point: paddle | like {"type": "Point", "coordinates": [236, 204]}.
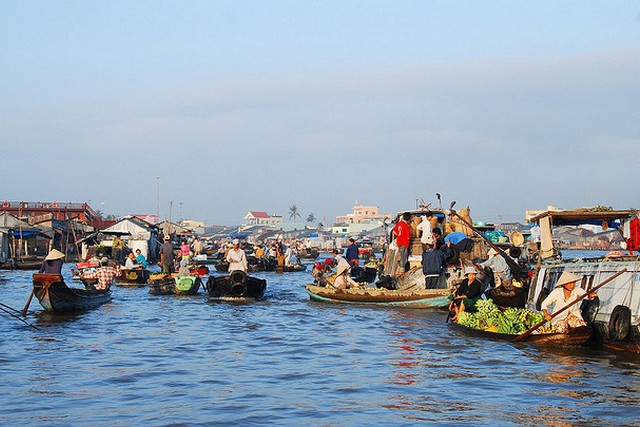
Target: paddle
{"type": "Point", "coordinates": [19, 318]}
{"type": "Point", "coordinates": [533, 328]}
{"type": "Point", "coordinates": [26, 307]}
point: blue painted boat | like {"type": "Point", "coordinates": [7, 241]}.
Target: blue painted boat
{"type": "Point", "coordinates": [430, 298]}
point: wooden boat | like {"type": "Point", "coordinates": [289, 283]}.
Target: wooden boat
{"type": "Point", "coordinates": [575, 337]}
{"type": "Point", "coordinates": [23, 264]}
{"type": "Point", "coordinates": [168, 284]}
{"type": "Point", "coordinates": [236, 285]}
{"type": "Point", "coordinates": [55, 296]}
{"type": "Point", "coordinates": [132, 277]}
{"type": "Point", "coordinates": [291, 268]}
{"type": "Point", "coordinates": [431, 298]}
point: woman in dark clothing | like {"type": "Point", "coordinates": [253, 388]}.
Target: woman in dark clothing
{"type": "Point", "coordinates": [465, 297]}
{"type": "Point", "coordinates": [53, 262]}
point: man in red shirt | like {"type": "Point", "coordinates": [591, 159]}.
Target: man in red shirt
{"type": "Point", "coordinates": [402, 231]}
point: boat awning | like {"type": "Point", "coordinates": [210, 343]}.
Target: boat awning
{"type": "Point", "coordinates": [583, 216]}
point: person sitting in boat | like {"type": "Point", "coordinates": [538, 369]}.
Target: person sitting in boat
{"type": "Point", "coordinates": [351, 254]}
{"type": "Point", "coordinates": [464, 298]}
{"type": "Point", "coordinates": [259, 253]}
{"type": "Point", "coordinates": [343, 280]}
{"type": "Point", "coordinates": [52, 263]}
{"type": "Point", "coordinates": [140, 259]}
{"type": "Point", "coordinates": [318, 272]}
{"type": "Point", "coordinates": [432, 265]}
{"type": "Point", "coordinates": [564, 293]}
{"type": "Point", "coordinates": [339, 259]}
{"type": "Point", "coordinates": [105, 274]}
{"type": "Point", "coordinates": [500, 268]}
{"type": "Point", "coordinates": [236, 258]}
{"type": "Point", "coordinates": [131, 263]}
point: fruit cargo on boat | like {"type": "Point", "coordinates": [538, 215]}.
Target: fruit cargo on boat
{"type": "Point", "coordinates": [615, 313]}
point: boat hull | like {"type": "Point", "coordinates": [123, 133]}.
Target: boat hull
{"type": "Point", "coordinates": [436, 298]}
{"type": "Point", "coordinates": [132, 277]}
{"type": "Point", "coordinates": [574, 338]}
{"type": "Point", "coordinates": [54, 295]}
{"type": "Point", "coordinates": [169, 285]}
{"type": "Point", "coordinates": [236, 286]}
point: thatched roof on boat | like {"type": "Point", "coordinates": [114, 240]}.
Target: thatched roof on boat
{"type": "Point", "coordinates": [581, 216]}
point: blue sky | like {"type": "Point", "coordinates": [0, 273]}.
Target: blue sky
{"type": "Point", "coordinates": [257, 105]}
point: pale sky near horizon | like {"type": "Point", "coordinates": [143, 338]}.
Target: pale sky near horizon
{"type": "Point", "coordinates": [502, 106]}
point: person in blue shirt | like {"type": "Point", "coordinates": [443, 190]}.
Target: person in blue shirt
{"type": "Point", "coordinates": [140, 259]}
{"type": "Point", "coordinates": [351, 253]}
{"type": "Point", "coordinates": [460, 241]}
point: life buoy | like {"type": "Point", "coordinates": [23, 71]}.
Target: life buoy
{"type": "Point", "coordinates": [620, 323]}
{"type": "Point", "coordinates": [54, 205]}
{"type": "Point", "coordinates": [6, 204]}
{"type": "Point", "coordinates": [589, 309]}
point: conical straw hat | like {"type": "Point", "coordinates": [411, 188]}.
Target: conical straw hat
{"type": "Point", "coordinates": [54, 254]}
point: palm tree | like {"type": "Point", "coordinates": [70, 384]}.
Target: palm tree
{"type": "Point", "coordinates": [311, 218]}
{"type": "Point", "coordinates": [293, 212]}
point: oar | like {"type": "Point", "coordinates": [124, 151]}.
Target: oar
{"type": "Point", "coordinates": [19, 318]}
{"type": "Point", "coordinates": [566, 307]}
{"type": "Point", "coordinates": [26, 307]}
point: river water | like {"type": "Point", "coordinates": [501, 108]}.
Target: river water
{"type": "Point", "coordinates": [187, 361]}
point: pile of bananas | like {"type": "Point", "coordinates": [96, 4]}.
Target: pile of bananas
{"type": "Point", "coordinates": [512, 321]}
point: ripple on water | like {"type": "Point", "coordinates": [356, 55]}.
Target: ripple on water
{"type": "Point", "coordinates": [162, 360]}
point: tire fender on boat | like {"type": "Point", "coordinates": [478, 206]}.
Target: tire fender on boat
{"type": "Point", "coordinates": [620, 323]}
{"type": "Point", "coordinates": [6, 204]}
{"type": "Point", "coordinates": [590, 309]}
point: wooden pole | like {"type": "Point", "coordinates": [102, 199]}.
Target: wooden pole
{"type": "Point", "coordinates": [519, 272]}
{"type": "Point", "coordinates": [566, 307]}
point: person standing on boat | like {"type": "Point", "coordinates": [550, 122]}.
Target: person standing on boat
{"type": "Point", "coordinates": [185, 254]}
{"type": "Point", "coordinates": [432, 266]}
{"type": "Point", "coordinates": [288, 253]}
{"type": "Point", "coordinates": [118, 249]}
{"type": "Point", "coordinates": [351, 254]}
{"type": "Point", "coordinates": [52, 263]}
{"type": "Point", "coordinates": [425, 226]}
{"type": "Point", "coordinates": [464, 298]}
{"type": "Point", "coordinates": [166, 255]}
{"type": "Point", "coordinates": [236, 258]}
{"type": "Point", "coordinates": [140, 259]}
{"type": "Point", "coordinates": [564, 293]}
{"type": "Point", "coordinates": [402, 232]}
{"type": "Point", "coordinates": [105, 274]}
{"type": "Point", "coordinates": [197, 246]}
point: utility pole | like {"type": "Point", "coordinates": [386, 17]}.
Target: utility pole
{"type": "Point", "coordinates": [158, 198]}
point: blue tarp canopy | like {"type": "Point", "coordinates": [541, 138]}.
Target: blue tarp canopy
{"type": "Point", "coordinates": [239, 236]}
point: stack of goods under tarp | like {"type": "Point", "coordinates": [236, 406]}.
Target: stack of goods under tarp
{"type": "Point", "coordinates": [512, 321]}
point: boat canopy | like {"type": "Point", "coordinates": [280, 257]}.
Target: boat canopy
{"type": "Point", "coordinates": [585, 216]}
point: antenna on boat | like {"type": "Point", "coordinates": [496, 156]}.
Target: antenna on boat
{"type": "Point", "coordinates": [439, 200]}
{"type": "Point", "coordinates": [452, 205]}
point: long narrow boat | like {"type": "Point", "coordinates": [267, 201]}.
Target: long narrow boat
{"type": "Point", "coordinates": [133, 277]}
{"type": "Point", "coordinates": [430, 298]}
{"type": "Point", "coordinates": [575, 337]}
{"type": "Point", "coordinates": [236, 285]}
{"type": "Point", "coordinates": [167, 284]}
{"type": "Point", "coordinates": [55, 296]}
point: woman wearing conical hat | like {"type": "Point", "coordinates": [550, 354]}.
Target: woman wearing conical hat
{"type": "Point", "coordinates": [53, 262]}
{"type": "Point", "coordinates": [343, 280]}
{"type": "Point", "coordinates": [564, 293]}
